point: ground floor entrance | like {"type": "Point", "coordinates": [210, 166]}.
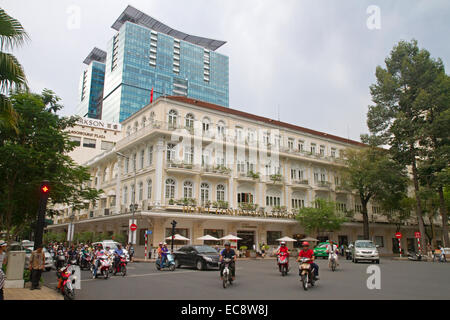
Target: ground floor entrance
{"type": "Point", "coordinates": [248, 239]}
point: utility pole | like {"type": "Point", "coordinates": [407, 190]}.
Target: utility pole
{"type": "Point", "coordinates": [174, 224]}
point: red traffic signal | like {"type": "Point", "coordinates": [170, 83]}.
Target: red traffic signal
{"type": "Point", "coordinates": [45, 188]}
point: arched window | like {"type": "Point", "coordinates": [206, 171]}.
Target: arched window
{"type": "Point", "coordinates": [188, 189]}
{"type": "Point", "coordinates": [170, 189]}
{"type": "Point", "coordinates": [205, 124]}
{"type": "Point", "coordinates": [144, 122]}
{"type": "Point", "coordinates": [149, 189]}
{"type": "Point", "coordinates": [221, 128]}
{"type": "Point", "coordinates": [220, 192]}
{"type": "Point", "coordinates": [190, 121]}
{"type": "Point", "coordinates": [172, 119]}
{"type": "Point", "coordinates": [141, 191]}
{"type": "Point", "coordinates": [204, 193]}
{"type": "Point", "coordinates": [170, 152]}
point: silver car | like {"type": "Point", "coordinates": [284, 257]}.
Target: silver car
{"type": "Point", "coordinates": [365, 250]}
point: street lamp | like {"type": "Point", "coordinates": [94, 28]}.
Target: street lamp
{"type": "Point", "coordinates": [71, 231]}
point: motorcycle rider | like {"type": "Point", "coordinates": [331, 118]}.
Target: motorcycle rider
{"type": "Point", "coordinates": [309, 253]}
{"type": "Point", "coordinates": [164, 252]}
{"type": "Point", "coordinates": [117, 253]}
{"type": "Point", "coordinates": [72, 253]}
{"type": "Point", "coordinates": [99, 253]}
{"type": "Point", "coordinates": [332, 249]}
{"type": "Point", "coordinates": [282, 249]}
{"type": "Point", "coordinates": [230, 254]}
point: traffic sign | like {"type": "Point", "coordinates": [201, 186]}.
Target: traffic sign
{"type": "Point", "coordinates": [417, 235]}
{"type": "Point", "coordinates": [133, 227]}
{"type": "Point", "coordinates": [149, 231]}
{"type": "Point", "coordinates": [398, 235]}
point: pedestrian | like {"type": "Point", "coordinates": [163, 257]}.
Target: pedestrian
{"type": "Point", "coordinates": [263, 250]}
{"type": "Point", "coordinates": [131, 251]}
{"type": "Point", "coordinates": [430, 252]}
{"type": "Point", "coordinates": [442, 257]}
{"type": "Point", "coordinates": [2, 264]}
{"type": "Point", "coordinates": [37, 264]}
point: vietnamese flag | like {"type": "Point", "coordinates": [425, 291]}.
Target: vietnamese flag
{"type": "Point", "coordinates": [151, 96]}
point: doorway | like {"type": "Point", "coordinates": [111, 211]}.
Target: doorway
{"type": "Point", "coordinates": [248, 239]}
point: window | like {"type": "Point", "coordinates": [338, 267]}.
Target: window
{"type": "Point", "coordinates": [190, 121]}
{"type": "Point", "coordinates": [245, 197]}
{"type": "Point", "coordinates": [322, 151]}
{"type": "Point", "coordinates": [126, 164]}
{"type": "Point", "coordinates": [291, 143]}
{"type": "Point", "coordinates": [107, 145]}
{"type": "Point", "coordinates": [141, 191]}
{"type": "Point", "coordinates": [125, 195]}
{"type": "Point", "coordinates": [204, 193]}
{"type": "Point", "coordinates": [379, 241]}
{"type": "Point", "coordinates": [141, 162]}
{"type": "Point", "coordinates": [170, 188]}
{"type": "Point", "coordinates": [189, 155]}
{"type": "Point", "coordinates": [149, 189]}
{"type": "Point", "coordinates": [75, 140]}
{"type": "Point", "coordinates": [205, 125]}
{"type": "Point", "coordinates": [172, 119]}
{"type": "Point", "coordinates": [150, 155]}
{"type": "Point", "coordinates": [238, 133]}
{"type": "Point", "coordinates": [133, 161]}
{"type": "Point", "coordinates": [358, 208]}
{"type": "Point", "coordinates": [220, 192]}
{"type": "Point", "coordinates": [333, 152]}
{"type": "Point", "coordinates": [313, 148]}
{"type": "Point", "coordinates": [272, 237]}
{"type": "Point", "coordinates": [187, 189]}
{"type": "Point", "coordinates": [298, 203]}
{"type": "Point", "coordinates": [89, 143]}
{"type": "Point", "coordinates": [240, 166]}
{"type": "Point", "coordinates": [293, 174]}
{"type": "Point", "coordinates": [273, 201]}
{"type": "Point", "coordinates": [133, 193]}
{"type": "Point", "coordinates": [220, 128]}
{"type": "Point", "coordinates": [170, 152]}
{"type": "Point", "coordinates": [337, 182]}
{"type": "Point", "coordinates": [301, 145]}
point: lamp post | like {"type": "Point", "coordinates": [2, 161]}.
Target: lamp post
{"type": "Point", "coordinates": [71, 230]}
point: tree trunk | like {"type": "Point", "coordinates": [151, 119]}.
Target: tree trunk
{"type": "Point", "coordinates": [418, 200]}
{"type": "Point", "coordinates": [443, 210]}
{"type": "Point", "coordinates": [365, 220]}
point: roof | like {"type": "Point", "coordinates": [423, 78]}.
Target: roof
{"type": "Point", "coordinates": [251, 116]}
{"type": "Point", "coordinates": [95, 55]}
{"type": "Point", "coordinates": [133, 15]}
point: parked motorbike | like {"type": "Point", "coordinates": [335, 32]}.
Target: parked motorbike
{"type": "Point", "coordinates": [306, 274]}
{"type": "Point", "coordinates": [68, 280]}
{"type": "Point", "coordinates": [226, 275]}
{"type": "Point", "coordinates": [169, 263]}
{"type": "Point", "coordinates": [283, 263]}
{"type": "Point", "coordinates": [414, 256]}
{"type": "Point", "coordinates": [121, 266]}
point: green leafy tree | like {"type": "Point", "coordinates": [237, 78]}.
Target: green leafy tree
{"type": "Point", "coordinates": [12, 75]}
{"type": "Point", "coordinates": [374, 176]}
{"type": "Point", "coordinates": [398, 117]}
{"type": "Point", "coordinates": [39, 151]}
{"type": "Point", "coordinates": [321, 217]}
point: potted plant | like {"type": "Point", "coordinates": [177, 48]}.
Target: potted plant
{"type": "Point", "coordinates": [171, 202]}
{"type": "Point", "coordinates": [243, 249]}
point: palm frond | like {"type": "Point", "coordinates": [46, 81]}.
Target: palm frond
{"type": "Point", "coordinates": [8, 116]}
{"type": "Point", "coordinates": [12, 33]}
{"type": "Point", "coordinates": [12, 75]}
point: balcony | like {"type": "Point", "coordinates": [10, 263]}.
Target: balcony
{"type": "Point", "coordinates": [183, 168]}
{"type": "Point", "coordinates": [303, 184]}
{"type": "Point", "coordinates": [323, 185]}
{"type": "Point", "coordinates": [216, 172]}
{"type": "Point", "coordinates": [248, 176]}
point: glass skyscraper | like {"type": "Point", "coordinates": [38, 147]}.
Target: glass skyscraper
{"type": "Point", "coordinates": [146, 54]}
{"type": "Point", "coordinates": [92, 80]}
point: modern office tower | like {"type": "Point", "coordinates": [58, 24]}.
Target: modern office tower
{"type": "Point", "coordinates": [92, 81]}
{"type": "Point", "coordinates": [146, 54]}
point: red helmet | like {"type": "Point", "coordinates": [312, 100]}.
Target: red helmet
{"type": "Point", "coordinates": [305, 243]}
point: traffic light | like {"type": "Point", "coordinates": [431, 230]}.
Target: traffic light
{"type": "Point", "coordinates": [44, 191]}
{"type": "Point", "coordinates": [174, 224]}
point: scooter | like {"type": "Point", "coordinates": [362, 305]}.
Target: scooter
{"type": "Point", "coordinates": [333, 263]}
{"type": "Point", "coordinates": [169, 264]}
{"type": "Point", "coordinates": [121, 266]}
{"type": "Point", "coordinates": [60, 259]}
{"type": "Point", "coordinates": [103, 268]}
{"type": "Point", "coordinates": [283, 263]}
{"type": "Point", "coordinates": [68, 279]}
{"type": "Point", "coordinates": [85, 262]}
{"type": "Point", "coordinates": [306, 275]}
{"type": "Point", "coordinates": [226, 274]}
{"type": "Point", "coordinates": [414, 256]}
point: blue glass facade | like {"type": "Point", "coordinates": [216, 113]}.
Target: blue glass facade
{"type": "Point", "coordinates": [139, 59]}
{"type": "Point", "coordinates": [91, 90]}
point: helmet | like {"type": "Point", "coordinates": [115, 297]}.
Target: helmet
{"type": "Point", "coordinates": [227, 244]}
{"type": "Point", "coordinates": [160, 243]}
{"type": "Point", "coordinates": [305, 244]}
{"type": "Point", "coordinates": [283, 243]}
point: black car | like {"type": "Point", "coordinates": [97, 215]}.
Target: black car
{"type": "Point", "coordinates": [201, 257]}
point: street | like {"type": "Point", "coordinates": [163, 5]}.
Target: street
{"type": "Point", "coordinates": [259, 279]}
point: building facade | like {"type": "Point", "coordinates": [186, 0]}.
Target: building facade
{"type": "Point", "coordinates": [92, 81]}
{"type": "Point", "coordinates": [216, 171]}
{"type": "Point", "coordinates": [146, 54]}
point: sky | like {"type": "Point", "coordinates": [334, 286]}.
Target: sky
{"type": "Point", "coordinates": [309, 63]}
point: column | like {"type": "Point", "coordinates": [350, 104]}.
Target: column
{"type": "Point", "coordinates": [158, 183]}
{"type": "Point", "coordinates": [118, 179]}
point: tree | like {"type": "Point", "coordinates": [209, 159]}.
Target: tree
{"type": "Point", "coordinates": [39, 151]}
{"type": "Point", "coordinates": [398, 117]}
{"type": "Point", "coordinates": [322, 216]}
{"type": "Point", "coordinates": [375, 176]}
{"type": "Point", "coordinates": [12, 75]}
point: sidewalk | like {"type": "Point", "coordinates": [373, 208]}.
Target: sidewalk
{"type": "Point", "coordinates": [26, 294]}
